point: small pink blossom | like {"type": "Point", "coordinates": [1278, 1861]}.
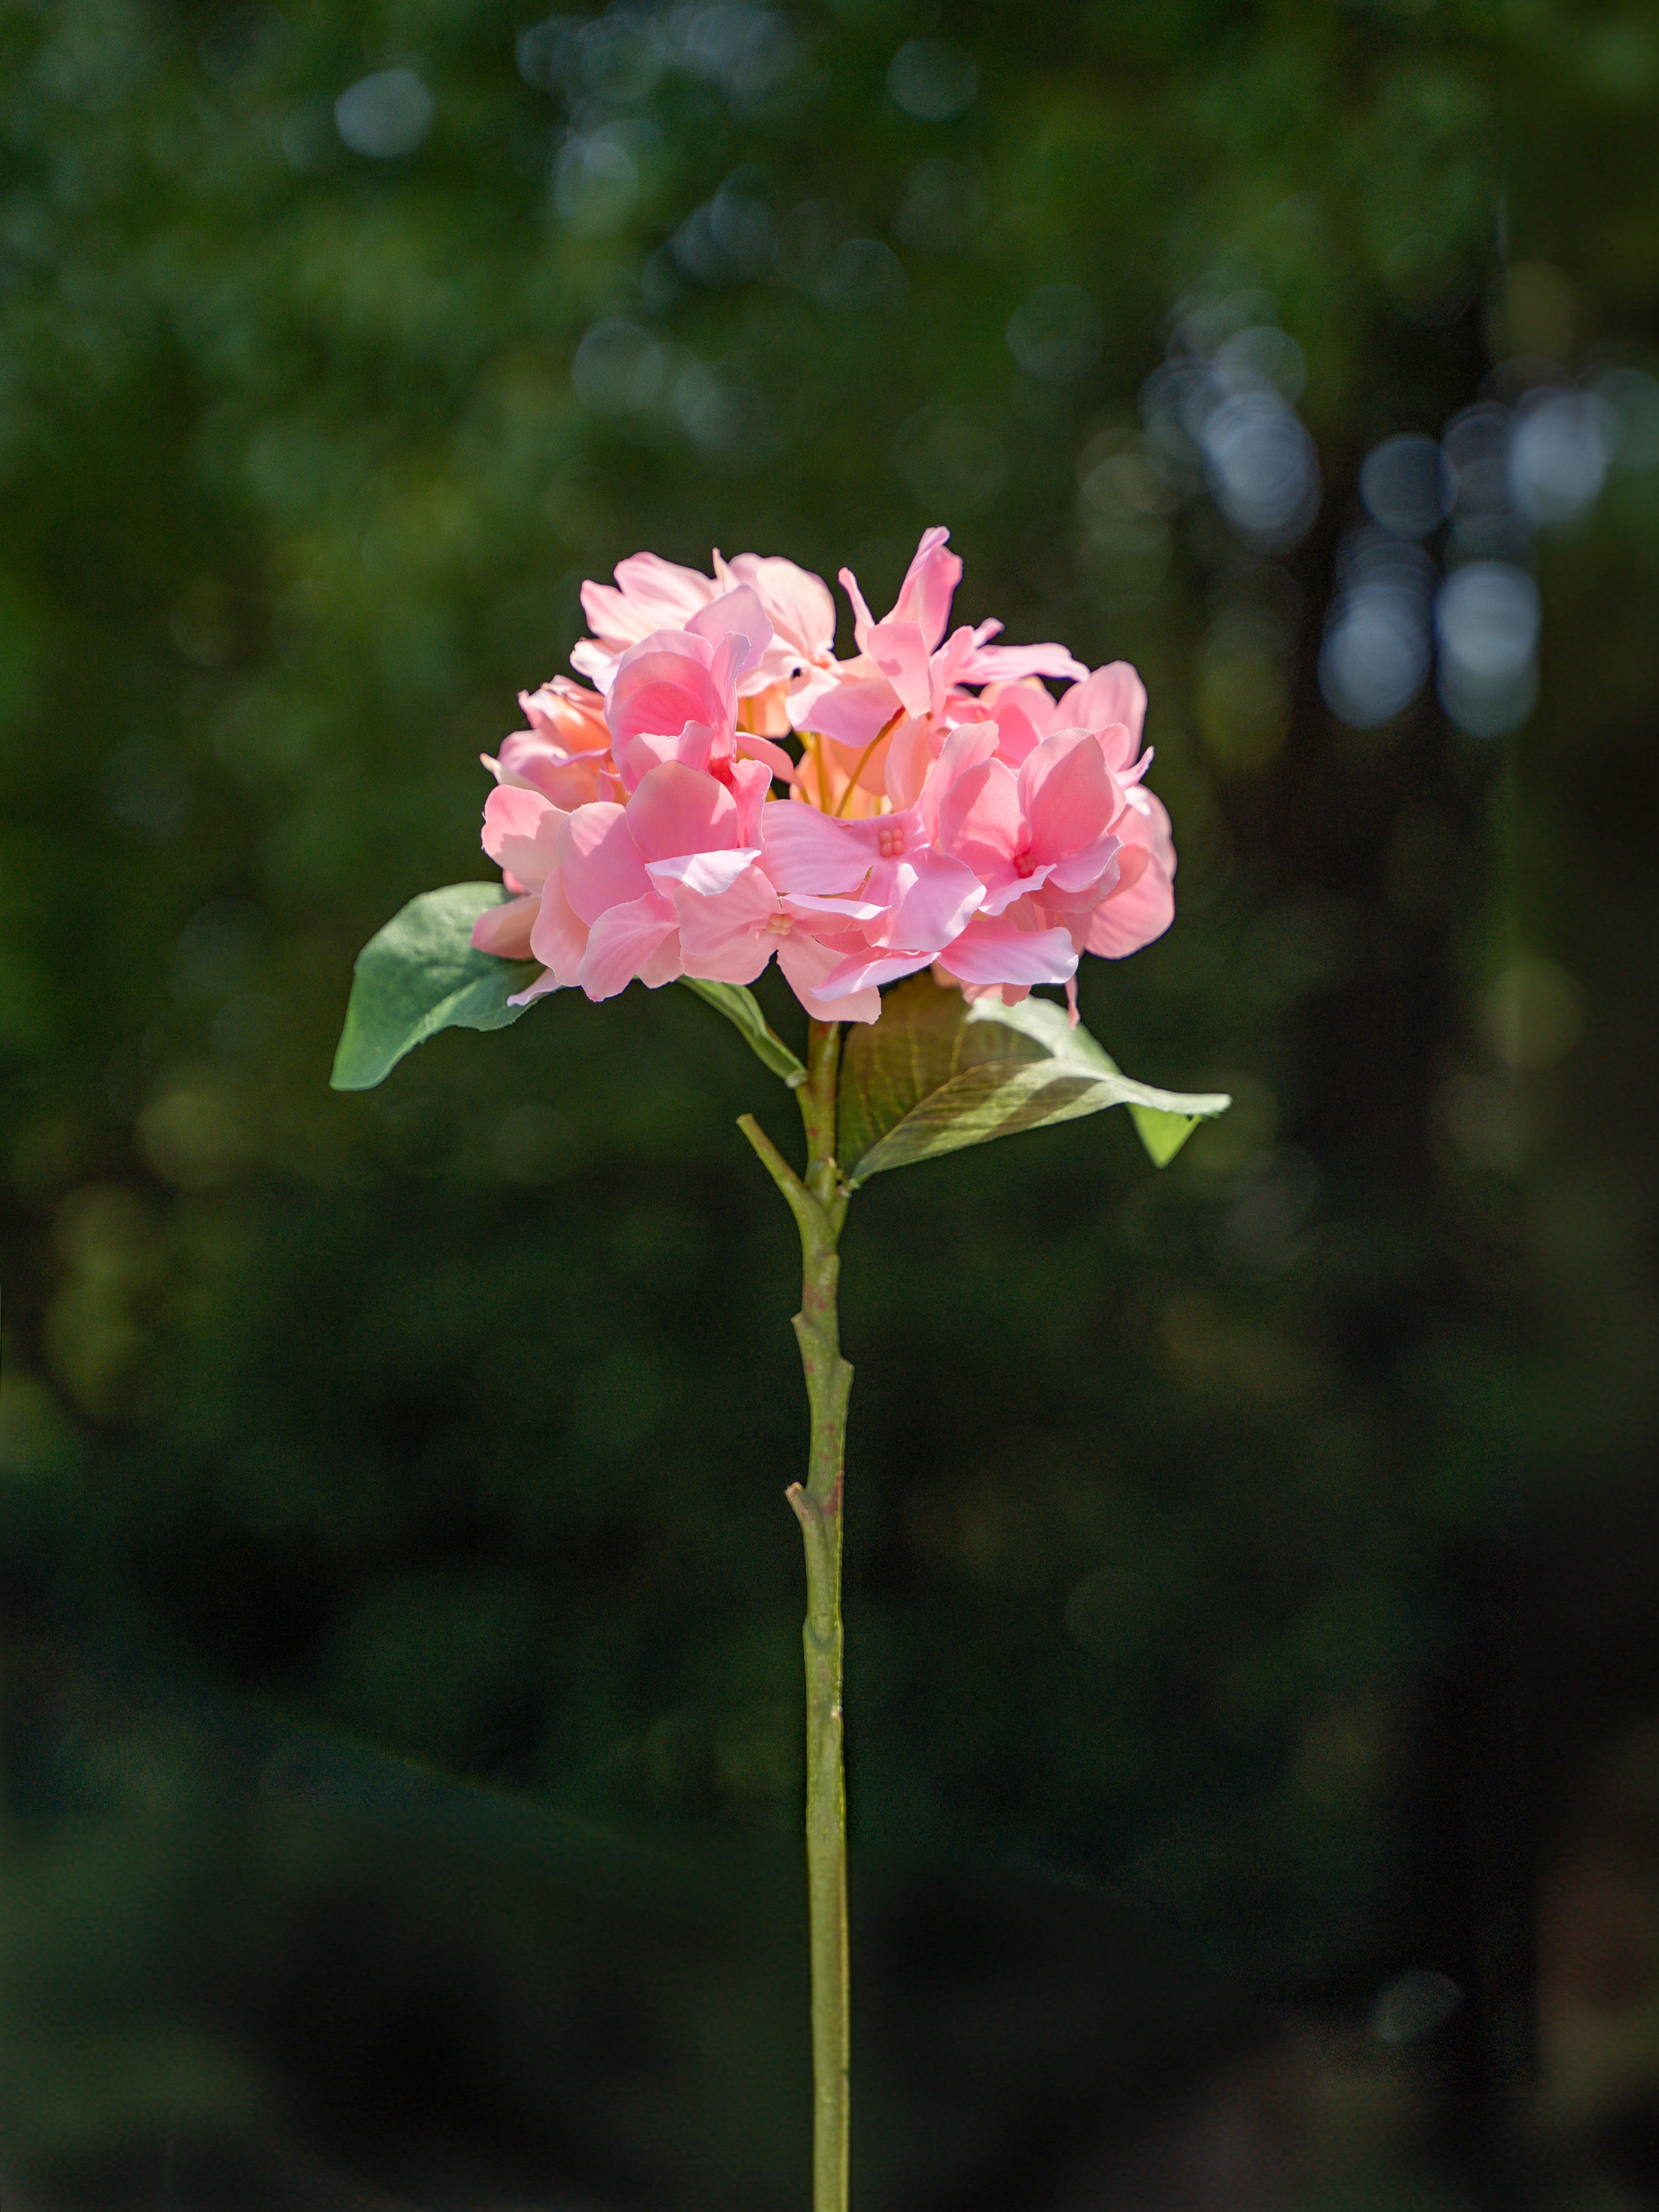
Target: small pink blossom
{"type": "Point", "coordinates": [674, 695]}
{"type": "Point", "coordinates": [729, 936]}
{"type": "Point", "coordinates": [652, 595]}
{"type": "Point", "coordinates": [565, 754]}
{"type": "Point", "coordinates": [619, 866]}
{"type": "Point", "coordinates": [522, 834]}
{"type": "Point", "coordinates": [874, 726]}
{"type": "Point", "coordinates": [922, 897]}
{"type": "Point", "coordinates": [1041, 826]}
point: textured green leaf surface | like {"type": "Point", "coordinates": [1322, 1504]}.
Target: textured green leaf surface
{"type": "Point", "coordinates": [742, 1009]}
{"type": "Point", "coordinates": [419, 974]}
{"type": "Point", "coordinates": [935, 1074]}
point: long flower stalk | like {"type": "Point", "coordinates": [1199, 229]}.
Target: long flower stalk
{"type": "Point", "coordinates": [1002, 833]}
{"type": "Point", "coordinates": [819, 1205]}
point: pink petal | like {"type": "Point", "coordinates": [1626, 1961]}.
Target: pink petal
{"type": "Point", "coordinates": [696, 746]}
{"type": "Point", "coordinates": [749, 747]}
{"type": "Point", "coordinates": [529, 762]}
{"type": "Point", "coordinates": [867, 971]}
{"type": "Point", "coordinates": [567, 714]}
{"type": "Point", "coordinates": [708, 873]}
{"type": "Point", "coordinates": [817, 911]}
{"type": "Point", "coordinates": [662, 685]}
{"type": "Point", "coordinates": [729, 939]}
{"type": "Point", "coordinates": [929, 585]}
{"type": "Point", "coordinates": [1004, 891]}
{"type": "Point", "coordinates": [1025, 716]}
{"type": "Point", "coordinates": [749, 782]}
{"type": "Point", "coordinates": [1114, 693]}
{"type": "Point", "coordinates": [969, 745]}
{"type": "Point", "coordinates": [979, 816]}
{"type": "Point", "coordinates": [599, 861]}
{"type": "Point", "coordinates": [800, 604]}
{"type": "Point", "coordinates": [505, 930]}
{"type": "Point", "coordinates": [664, 965]}
{"type": "Point", "coordinates": [851, 712]}
{"type": "Point", "coordinates": [559, 938]}
{"type": "Point", "coordinates": [1006, 664]}
{"type": "Point", "coordinates": [546, 982]}
{"type": "Point", "coordinates": [807, 962]}
{"type": "Point", "coordinates": [521, 833]}
{"type": "Point", "coordinates": [1067, 795]}
{"type": "Point", "coordinates": [676, 810]}
{"type": "Point", "coordinates": [933, 899]}
{"type": "Point", "coordinates": [1133, 915]}
{"type": "Point", "coordinates": [949, 663]}
{"type": "Point", "coordinates": [999, 951]}
{"type": "Point", "coordinates": [898, 650]}
{"type": "Point", "coordinates": [910, 756]}
{"type": "Point", "coordinates": [591, 659]}
{"type": "Point", "coordinates": [652, 594]}
{"type": "Point", "coordinates": [1005, 994]}
{"type": "Point", "coordinates": [735, 614]}
{"type": "Point", "coordinates": [806, 851]}
{"type": "Point", "coordinates": [1144, 821]}
{"type": "Point", "coordinates": [863, 621]}
{"type": "Point", "coordinates": [1094, 869]}
{"type": "Point", "coordinates": [622, 943]}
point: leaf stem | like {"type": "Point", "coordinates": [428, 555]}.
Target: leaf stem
{"type": "Point", "coordinates": [819, 1202]}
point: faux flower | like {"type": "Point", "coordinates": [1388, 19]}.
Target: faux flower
{"type": "Point", "coordinates": [650, 595]}
{"type": "Point", "coordinates": [565, 754]}
{"type": "Point", "coordinates": [947, 808]}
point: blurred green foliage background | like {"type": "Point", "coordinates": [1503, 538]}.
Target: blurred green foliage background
{"type": "Point", "coordinates": [401, 1611]}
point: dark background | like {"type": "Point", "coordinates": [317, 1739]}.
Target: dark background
{"type": "Point", "coordinates": [1253, 1675]}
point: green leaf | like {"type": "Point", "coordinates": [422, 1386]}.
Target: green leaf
{"type": "Point", "coordinates": [742, 1009]}
{"type": "Point", "coordinates": [935, 1074]}
{"type": "Point", "coordinates": [419, 974]}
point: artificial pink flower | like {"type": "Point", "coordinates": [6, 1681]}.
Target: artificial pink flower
{"type": "Point", "coordinates": [674, 695]}
{"type": "Point", "coordinates": [619, 864]}
{"type": "Point", "coordinates": [922, 896]}
{"type": "Point", "coordinates": [652, 595]}
{"type": "Point", "coordinates": [522, 834]}
{"type": "Point", "coordinates": [1136, 903]}
{"type": "Point", "coordinates": [1044, 825]}
{"type": "Point", "coordinates": [881, 718]}
{"type": "Point", "coordinates": [948, 809]}
{"type": "Point", "coordinates": [729, 937]}
{"type": "Point", "coordinates": [565, 752]}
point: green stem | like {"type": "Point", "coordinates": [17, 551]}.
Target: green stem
{"type": "Point", "coordinates": [819, 1205]}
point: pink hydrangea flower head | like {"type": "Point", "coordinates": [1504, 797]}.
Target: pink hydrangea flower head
{"type": "Point", "coordinates": [947, 809]}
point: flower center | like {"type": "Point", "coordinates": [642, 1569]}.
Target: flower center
{"type": "Point", "coordinates": [1023, 864]}
{"type": "Point", "coordinates": [780, 924]}
{"type": "Point", "coordinates": [889, 840]}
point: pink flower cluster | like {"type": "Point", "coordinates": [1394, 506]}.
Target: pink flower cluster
{"type": "Point", "coordinates": [945, 811]}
